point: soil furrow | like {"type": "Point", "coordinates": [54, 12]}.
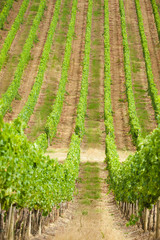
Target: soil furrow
{"type": "Point", "coordinates": [30, 72]}
{"type": "Point", "coordinates": [152, 38]}
{"type": "Point", "coordinates": [118, 95]}
{"type": "Point", "coordinates": [9, 68]}
{"type": "Point", "coordinates": [52, 75]}
{"type": "Point", "coordinates": [94, 123]}
{"type": "Point", "coordinates": [143, 102]}
{"type": "Point", "coordinates": [67, 120]}
{"type": "Point", "coordinates": [10, 20]}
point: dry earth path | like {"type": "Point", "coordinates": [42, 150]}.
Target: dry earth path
{"type": "Point", "coordinates": [143, 102]}
{"type": "Point", "coordinates": [31, 70]}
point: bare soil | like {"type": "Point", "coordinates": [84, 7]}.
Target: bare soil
{"type": "Point", "coordinates": [8, 70]}
{"type": "Point", "coordinates": [139, 76]}
{"type": "Point", "coordinates": [119, 101]}
{"type": "Point", "coordinates": [10, 20]}
{"type": "Point", "coordinates": [67, 120]}
{"type": "Point", "coordinates": [30, 72]}
{"type": "Point", "coordinates": [152, 38]}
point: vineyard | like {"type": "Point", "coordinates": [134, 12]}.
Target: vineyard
{"type": "Point", "coordinates": [80, 119]}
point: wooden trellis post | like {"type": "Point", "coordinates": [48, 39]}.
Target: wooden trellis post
{"type": "Point", "coordinates": [158, 221]}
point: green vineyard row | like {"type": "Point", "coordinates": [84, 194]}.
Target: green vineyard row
{"type": "Point", "coordinates": [134, 121]}
{"type": "Point", "coordinates": [53, 118]}
{"type": "Point", "coordinates": [5, 12]}
{"type": "Point", "coordinates": [11, 35]}
{"type": "Point", "coordinates": [12, 90]}
{"type": "Point", "coordinates": [137, 178]}
{"type": "Point", "coordinates": [33, 96]}
{"type": "Point", "coordinates": [30, 179]}
{"type": "Point", "coordinates": [156, 16]}
{"type": "Point", "coordinates": [151, 84]}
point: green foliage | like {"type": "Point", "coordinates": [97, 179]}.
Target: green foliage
{"type": "Point", "coordinates": [152, 87]}
{"type": "Point", "coordinates": [156, 16]}
{"type": "Point", "coordinates": [11, 92]}
{"type": "Point", "coordinates": [138, 177]}
{"type": "Point", "coordinates": [33, 96]}
{"type": "Point", "coordinates": [134, 121]}
{"type": "Point", "coordinates": [5, 12]}
{"type": "Point", "coordinates": [12, 32]}
{"type": "Point", "coordinates": [54, 117]}
{"type": "Point", "coordinates": [30, 179]}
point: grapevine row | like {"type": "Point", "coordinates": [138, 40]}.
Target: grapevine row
{"type": "Point", "coordinates": [137, 178]}
{"type": "Point", "coordinates": [5, 12]}
{"type": "Point", "coordinates": [134, 121]}
{"type": "Point", "coordinates": [11, 35]}
{"type": "Point", "coordinates": [112, 158]}
{"type": "Point", "coordinates": [31, 179]}
{"type": "Point", "coordinates": [12, 90]}
{"type": "Point", "coordinates": [152, 87]}
{"type": "Point", "coordinates": [33, 96]}
{"type": "Point", "coordinates": [156, 16]}
{"type": "Point", "coordinates": [53, 118]}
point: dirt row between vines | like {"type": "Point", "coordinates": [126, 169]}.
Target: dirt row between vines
{"type": "Point", "coordinates": [9, 67]}
{"type": "Point", "coordinates": [31, 70]}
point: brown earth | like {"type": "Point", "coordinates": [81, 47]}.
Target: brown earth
{"type": "Point", "coordinates": [9, 68]}
{"type": "Point", "coordinates": [119, 101]}
{"type": "Point", "coordinates": [67, 120]}
{"type": "Point", "coordinates": [152, 38]}
{"type": "Point", "coordinates": [30, 72]}
{"type": "Point", "coordinates": [51, 77]}
{"type": "Point", "coordinates": [139, 75]}
{"type": "Point", "coordinates": [94, 121]}
{"type": "Point", "coordinates": [10, 20]}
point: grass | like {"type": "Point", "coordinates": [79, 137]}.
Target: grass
{"type": "Point", "coordinates": [90, 182]}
